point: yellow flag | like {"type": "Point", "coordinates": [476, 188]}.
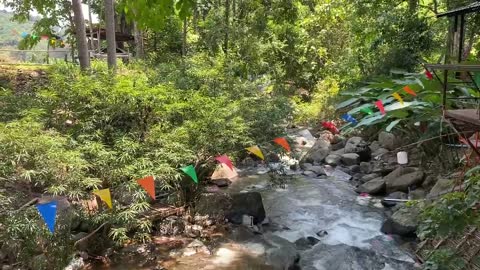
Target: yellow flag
{"type": "Point", "coordinates": [104, 195]}
{"type": "Point", "coordinates": [256, 151]}
{"type": "Point", "coordinates": [398, 97]}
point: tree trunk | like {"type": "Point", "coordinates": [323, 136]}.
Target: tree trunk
{"type": "Point", "coordinates": [80, 34]}
{"type": "Point", "coordinates": [110, 29]}
{"type": "Point", "coordinates": [184, 39]}
{"type": "Point", "coordinates": [139, 46]}
{"type": "Point", "coordinates": [90, 25]}
{"type": "Point", "coordinates": [412, 5]}
{"type": "Point", "coordinates": [227, 23]}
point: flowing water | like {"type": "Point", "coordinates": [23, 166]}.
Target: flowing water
{"type": "Point", "coordinates": [309, 205]}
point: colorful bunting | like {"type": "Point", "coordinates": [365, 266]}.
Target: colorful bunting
{"type": "Point", "coordinates": [225, 160]}
{"type": "Point", "coordinates": [14, 32]}
{"type": "Point", "coordinates": [409, 91]}
{"type": "Point", "coordinates": [366, 110]}
{"type": "Point", "coordinates": [148, 183]}
{"type": "Point", "coordinates": [379, 105]}
{"type": "Point", "coordinates": [190, 171]}
{"type": "Point", "coordinates": [283, 143]}
{"type": "Point", "coordinates": [398, 97]}
{"type": "Point", "coordinates": [52, 41]}
{"type": "Point", "coordinates": [24, 34]}
{"type": "Point", "coordinates": [347, 117]}
{"type": "Point", "coordinates": [48, 211]}
{"type": "Point", "coordinates": [34, 36]}
{"type": "Point", "coordinates": [331, 126]}
{"type": "Point", "coordinates": [428, 74]}
{"type": "Point", "coordinates": [104, 195]}
{"type": "Point", "coordinates": [256, 151]}
{"type": "Point", "coordinates": [44, 37]}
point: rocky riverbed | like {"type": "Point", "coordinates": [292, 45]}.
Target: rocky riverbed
{"type": "Point", "coordinates": [329, 210]}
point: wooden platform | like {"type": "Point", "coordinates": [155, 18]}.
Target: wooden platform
{"type": "Point", "coordinates": [467, 117]}
{"type": "Point", "coordinates": [454, 67]}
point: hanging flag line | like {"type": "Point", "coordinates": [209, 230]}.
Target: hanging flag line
{"type": "Point", "coordinates": [48, 210]}
{"type": "Point", "coordinates": [379, 104]}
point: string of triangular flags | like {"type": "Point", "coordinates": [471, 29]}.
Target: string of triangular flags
{"type": "Point", "coordinates": [52, 41]}
{"type": "Point", "coordinates": [379, 104]}
{"type": "Point", "coordinates": [48, 211]}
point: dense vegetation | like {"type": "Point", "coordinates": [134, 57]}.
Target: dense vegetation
{"type": "Point", "coordinates": [214, 78]}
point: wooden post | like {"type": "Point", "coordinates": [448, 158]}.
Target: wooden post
{"type": "Point", "coordinates": [445, 88]}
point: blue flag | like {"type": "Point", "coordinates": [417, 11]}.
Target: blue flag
{"type": "Point", "coordinates": [48, 211]}
{"type": "Point", "coordinates": [347, 117]}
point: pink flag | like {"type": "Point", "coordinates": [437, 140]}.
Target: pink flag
{"type": "Point", "coordinates": [225, 160]}
{"type": "Point", "coordinates": [379, 104]}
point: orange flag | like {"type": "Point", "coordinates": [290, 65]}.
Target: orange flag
{"type": "Point", "coordinates": [409, 90]}
{"type": "Point", "coordinates": [148, 184]}
{"type": "Point", "coordinates": [398, 97]}
{"type": "Point", "coordinates": [283, 143]}
{"type": "Point", "coordinates": [256, 151]}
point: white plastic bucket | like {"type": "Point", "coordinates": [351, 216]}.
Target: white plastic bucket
{"type": "Point", "coordinates": [402, 157]}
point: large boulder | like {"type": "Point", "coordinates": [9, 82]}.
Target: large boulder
{"type": "Point", "coordinates": [402, 178]}
{"type": "Point", "coordinates": [333, 159]}
{"type": "Point", "coordinates": [388, 140]}
{"type": "Point", "coordinates": [350, 159]}
{"type": "Point", "coordinates": [417, 194]}
{"type": "Point", "coordinates": [441, 187]}
{"type": "Point", "coordinates": [317, 169]}
{"type": "Point", "coordinates": [369, 177]}
{"type": "Point", "coordinates": [359, 146]}
{"type": "Point", "coordinates": [374, 186]}
{"type": "Point", "coordinates": [318, 152]}
{"type": "Point", "coordinates": [248, 203]}
{"type": "Point", "coordinates": [403, 222]}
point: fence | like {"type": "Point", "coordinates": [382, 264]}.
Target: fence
{"type": "Point", "coordinates": [13, 56]}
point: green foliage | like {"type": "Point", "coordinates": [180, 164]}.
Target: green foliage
{"type": "Point", "coordinates": [84, 131]}
{"type": "Point", "coordinates": [452, 213]}
{"type": "Point", "coordinates": [443, 259]}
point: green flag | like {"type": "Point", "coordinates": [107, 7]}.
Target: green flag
{"type": "Point", "coordinates": [190, 171]}
{"type": "Point", "coordinates": [366, 110]}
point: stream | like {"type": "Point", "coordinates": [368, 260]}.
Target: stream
{"type": "Point", "coordinates": [304, 207]}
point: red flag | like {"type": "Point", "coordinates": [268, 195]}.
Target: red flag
{"type": "Point", "coordinates": [148, 184]}
{"type": "Point", "coordinates": [409, 90]}
{"type": "Point", "coordinates": [225, 160]}
{"type": "Point", "coordinates": [379, 104]}
{"type": "Point", "coordinates": [428, 74]}
{"type": "Point", "coordinates": [283, 142]}
{"type": "Point", "coordinates": [330, 126]}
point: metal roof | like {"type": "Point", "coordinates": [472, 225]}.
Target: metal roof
{"type": "Point", "coordinates": [473, 7]}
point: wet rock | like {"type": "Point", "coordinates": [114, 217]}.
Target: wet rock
{"type": "Point", "coordinates": [359, 146]}
{"type": "Point", "coordinates": [350, 159]}
{"type": "Point", "coordinates": [357, 176]}
{"type": "Point", "coordinates": [388, 140]}
{"type": "Point", "coordinates": [441, 187]}
{"type": "Point", "coordinates": [333, 160]}
{"type": "Point", "coordinates": [366, 167]}
{"type": "Point", "coordinates": [306, 166]}
{"type": "Point", "coordinates": [309, 174]}
{"type": "Point", "coordinates": [398, 195]}
{"type": "Point", "coordinates": [83, 245]}
{"type": "Point", "coordinates": [338, 146]}
{"type": "Point", "coordinates": [322, 233]}
{"type": "Point", "coordinates": [305, 243]}
{"type": "Point", "coordinates": [417, 194]}
{"type": "Point", "coordinates": [403, 222]}
{"type": "Point", "coordinates": [248, 203]}
{"type": "Point", "coordinates": [196, 246]}
{"type": "Point", "coordinates": [369, 177]}
{"type": "Point", "coordinates": [338, 152]}
{"type": "Point", "coordinates": [75, 264]}
{"type": "Point", "coordinates": [403, 178]}
{"type": "Point", "coordinates": [374, 146]}
{"type": "Point", "coordinates": [429, 182]}
{"type": "Point", "coordinates": [374, 186]}
{"type": "Point", "coordinates": [318, 152]}
{"type": "Point", "coordinates": [213, 204]}
{"type": "Point", "coordinates": [318, 170]}
{"type": "Point", "coordinates": [284, 255]}
{"type": "Point", "coordinates": [379, 153]}
{"type": "Point", "coordinates": [222, 182]}
{"type": "Point", "coordinates": [355, 169]}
